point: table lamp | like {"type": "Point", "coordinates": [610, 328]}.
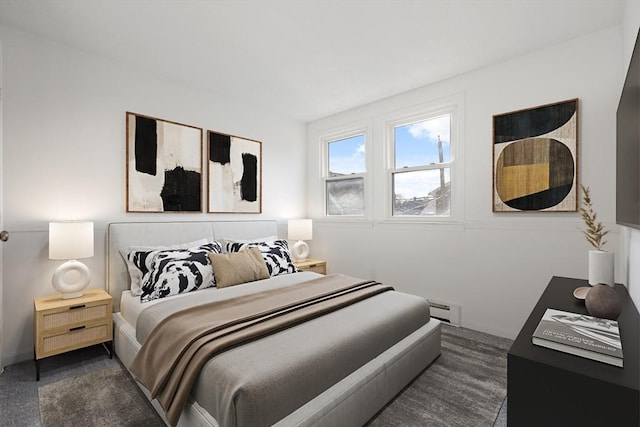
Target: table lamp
{"type": "Point", "coordinates": [71, 241]}
{"type": "Point", "coordinates": [300, 229]}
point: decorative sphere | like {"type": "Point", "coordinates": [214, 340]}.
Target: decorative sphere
{"type": "Point", "coordinates": [603, 301]}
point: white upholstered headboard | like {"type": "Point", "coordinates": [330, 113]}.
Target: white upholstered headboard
{"type": "Point", "coordinates": [124, 234]}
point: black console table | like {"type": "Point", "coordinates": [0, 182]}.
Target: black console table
{"type": "Point", "coordinates": [551, 388]}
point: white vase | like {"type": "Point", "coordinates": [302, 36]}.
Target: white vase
{"type": "Point", "coordinates": [601, 267]}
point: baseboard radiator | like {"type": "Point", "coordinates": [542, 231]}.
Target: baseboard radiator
{"type": "Point", "coordinates": [446, 312]}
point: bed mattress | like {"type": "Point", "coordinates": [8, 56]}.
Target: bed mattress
{"type": "Point", "coordinates": [131, 307]}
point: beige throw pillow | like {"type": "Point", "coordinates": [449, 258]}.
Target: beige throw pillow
{"type": "Point", "coordinates": [238, 267]}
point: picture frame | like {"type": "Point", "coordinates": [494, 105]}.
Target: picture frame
{"type": "Point", "coordinates": [164, 165]}
{"type": "Point", "coordinates": [234, 167]}
{"type": "Point", "coordinates": [535, 159]}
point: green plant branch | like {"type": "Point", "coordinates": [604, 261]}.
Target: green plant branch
{"type": "Point", "coordinates": [594, 231]}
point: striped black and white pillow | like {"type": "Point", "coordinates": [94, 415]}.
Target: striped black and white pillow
{"type": "Point", "coordinates": [177, 271]}
{"type": "Point", "coordinates": [275, 253]}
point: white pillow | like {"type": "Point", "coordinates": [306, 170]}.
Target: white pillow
{"type": "Point", "coordinates": [138, 259]}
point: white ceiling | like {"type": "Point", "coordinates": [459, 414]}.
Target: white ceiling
{"type": "Point", "coordinates": [307, 59]}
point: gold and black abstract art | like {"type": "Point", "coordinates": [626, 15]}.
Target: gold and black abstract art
{"type": "Point", "coordinates": [535, 159]}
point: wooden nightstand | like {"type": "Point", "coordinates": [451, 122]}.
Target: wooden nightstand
{"type": "Point", "coordinates": [62, 325]}
{"type": "Point", "coordinates": [314, 265]}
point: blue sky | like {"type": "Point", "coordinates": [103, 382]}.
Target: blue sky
{"type": "Point", "coordinates": [347, 156]}
{"type": "Point", "coordinates": [416, 145]}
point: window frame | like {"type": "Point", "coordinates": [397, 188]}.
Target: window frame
{"type": "Point", "coordinates": [454, 106]}
{"type": "Point", "coordinates": [337, 135]}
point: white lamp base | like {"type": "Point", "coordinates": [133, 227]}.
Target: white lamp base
{"type": "Point", "coordinates": [300, 251]}
{"type": "Point", "coordinates": [71, 290]}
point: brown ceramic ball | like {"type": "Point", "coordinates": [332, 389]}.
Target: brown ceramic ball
{"type": "Point", "coordinates": [603, 301]}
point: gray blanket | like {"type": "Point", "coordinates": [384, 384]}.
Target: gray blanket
{"type": "Point", "coordinates": [261, 382]}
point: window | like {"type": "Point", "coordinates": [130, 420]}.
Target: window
{"type": "Point", "coordinates": [421, 166]}
{"type": "Point", "coordinates": [403, 166]}
{"type": "Point", "coordinates": [345, 175]}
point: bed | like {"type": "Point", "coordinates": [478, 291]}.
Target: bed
{"type": "Point", "coordinates": [357, 361]}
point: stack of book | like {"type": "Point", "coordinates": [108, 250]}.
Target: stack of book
{"type": "Point", "coordinates": [581, 335]}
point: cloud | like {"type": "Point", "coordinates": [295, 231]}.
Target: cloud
{"type": "Point", "coordinates": [430, 129]}
{"type": "Point", "coordinates": [359, 151]}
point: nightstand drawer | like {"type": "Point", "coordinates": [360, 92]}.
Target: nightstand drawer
{"type": "Point", "coordinates": [317, 268]}
{"type": "Point", "coordinates": [76, 337]}
{"type": "Point", "coordinates": [75, 314]}
{"type": "Point", "coordinates": [315, 265]}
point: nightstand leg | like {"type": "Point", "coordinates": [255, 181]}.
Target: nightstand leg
{"type": "Point", "coordinates": [37, 366]}
{"type": "Point", "coordinates": [109, 347]}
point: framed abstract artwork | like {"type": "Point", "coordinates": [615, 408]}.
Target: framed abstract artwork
{"type": "Point", "coordinates": [164, 165]}
{"type": "Point", "coordinates": [235, 174]}
{"type": "Point", "coordinates": [535, 159]}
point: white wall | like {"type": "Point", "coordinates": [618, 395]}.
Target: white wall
{"type": "Point", "coordinates": [494, 265]}
{"type": "Point", "coordinates": [64, 158]}
{"type": "Point", "coordinates": [630, 244]}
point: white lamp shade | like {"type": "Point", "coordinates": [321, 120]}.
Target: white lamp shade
{"type": "Point", "coordinates": [70, 240]}
{"type": "Point", "coordinates": [300, 229]}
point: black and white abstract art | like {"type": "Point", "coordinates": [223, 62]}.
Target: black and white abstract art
{"type": "Point", "coordinates": [164, 165]}
{"type": "Point", "coordinates": [235, 174]}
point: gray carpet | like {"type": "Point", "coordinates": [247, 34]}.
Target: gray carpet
{"type": "Point", "coordinates": [19, 389]}
{"type": "Point", "coordinates": [465, 386]}
{"type": "Point", "coordinates": [103, 398]}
